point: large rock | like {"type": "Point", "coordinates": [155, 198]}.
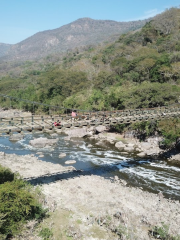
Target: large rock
{"type": "Point", "coordinates": [120, 145]}
{"type": "Point", "coordinates": [155, 140]}
{"type": "Point", "coordinates": [153, 151]}
{"type": "Point", "coordinates": [16, 137]}
{"type": "Point", "coordinates": [77, 132]}
{"type": "Point", "coordinates": [102, 136]}
{"type": "Point", "coordinates": [94, 137]}
{"type": "Point", "coordinates": [70, 162]}
{"type": "Point", "coordinates": [145, 146]}
{"type": "Point", "coordinates": [100, 129]}
{"type": "Point", "coordinates": [129, 149]}
{"type": "Point", "coordinates": [62, 155]}
{"type": "Point", "coordinates": [175, 159]}
{"type": "Point", "coordinates": [100, 143]}
{"type": "Point", "coordinates": [142, 154]}
{"type": "Point", "coordinates": [43, 142]}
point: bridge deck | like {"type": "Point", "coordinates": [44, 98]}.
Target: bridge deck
{"type": "Point", "coordinates": [37, 122]}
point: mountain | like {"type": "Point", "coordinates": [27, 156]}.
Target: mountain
{"type": "Point", "coordinates": [140, 69]}
{"type": "Point", "coordinates": [4, 48]}
{"type": "Point", "coordinates": [82, 32]}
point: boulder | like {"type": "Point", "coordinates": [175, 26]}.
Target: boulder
{"type": "Point", "coordinates": [39, 153]}
{"type": "Point", "coordinates": [100, 143]}
{"type": "Point", "coordinates": [94, 137]}
{"type": "Point", "coordinates": [132, 145]}
{"type": "Point", "coordinates": [43, 142]}
{"type": "Point", "coordinates": [61, 155]}
{"type": "Point", "coordinates": [16, 137]}
{"type": "Point", "coordinates": [111, 141]}
{"type": "Point", "coordinates": [100, 128]}
{"type": "Point", "coordinates": [120, 145]}
{"type": "Point", "coordinates": [145, 145]}
{"type": "Point", "coordinates": [129, 149]}
{"type": "Point", "coordinates": [89, 145]}
{"type": "Point", "coordinates": [92, 129]}
{"type": "Point", "coordinates": [153, 152]}
{"type": "Point", "coordinates": [77, 132]}
{"type": "Point", "coordinates": [142, 154]}
{"type": "Point", "coordinates": [54, 135]}
{"type": "Point", "coordinates": [102, 136]}
{"type": "Point", "coordinates": [154, 140]}
{"type": "Point", "coordinates": [90, 133]}
{"type": "Point", "coordinates": [175, 159]}
{"type": "Point", "coordinates": [70, 162]}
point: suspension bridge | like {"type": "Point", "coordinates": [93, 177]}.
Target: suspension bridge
{"type": "Point", "coordinates": [84, 118]}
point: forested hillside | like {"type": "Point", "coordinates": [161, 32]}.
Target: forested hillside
{"type": "Point", "coordinates": [140, 69]}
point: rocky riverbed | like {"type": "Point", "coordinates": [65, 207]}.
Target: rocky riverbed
{"type": "Point", "coordinates": [126, 143]}
{"type": "Point", "coordinates": [87, 206]}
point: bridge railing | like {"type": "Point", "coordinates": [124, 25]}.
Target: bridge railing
{"type": "Point", "coordinates": [104, 115]}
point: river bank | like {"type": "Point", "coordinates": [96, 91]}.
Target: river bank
{"type": "Point", "coordinates": [91, 207]}
{"type": "Point", "coordinates": [88, 206]}
{"type": "Point", "coordinates": [126, 143]}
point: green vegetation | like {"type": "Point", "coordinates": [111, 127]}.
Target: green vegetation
{"type": "Point", "coordinates": [169, 129]}
{"type": "Point", "coordinates": [18, 203]}
{"type": "Point", "coordinates": [139, 70]}
{"type": "Point", "coordinates": [46, 234]}
{"type": "Point", "coordinates": [5, 175]}
{"type": "Point", "coordinates": [162, 232]}
{"type": "Point", "coordinates": [145, 129]}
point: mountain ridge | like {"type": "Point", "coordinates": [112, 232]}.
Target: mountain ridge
{"type": "Point", "coordinates": [79, 33]}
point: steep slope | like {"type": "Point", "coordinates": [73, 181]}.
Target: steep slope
{"type": "Point", "coordinates": [81, 32]}
{"type": "Point", "coordinates": [4, 48]}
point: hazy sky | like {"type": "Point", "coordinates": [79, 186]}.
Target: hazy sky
{"type": "Point", "coordinates": [20, 19]}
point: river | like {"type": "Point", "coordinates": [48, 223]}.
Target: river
{"type": "Point", "coordinates": [150, 175]}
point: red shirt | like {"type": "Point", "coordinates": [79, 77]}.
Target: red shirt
{"type": "Point", "coordinates": [73, 114]}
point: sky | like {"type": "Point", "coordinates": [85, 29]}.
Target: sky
{"type": "Point", "coordinates": [20, 19]}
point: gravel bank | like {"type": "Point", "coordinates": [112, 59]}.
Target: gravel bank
{"type": "Point", "coordinates": [95, 207]}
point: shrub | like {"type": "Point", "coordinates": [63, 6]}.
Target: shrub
{"type": "Point", "coordinates": [5, 175]}
{"type": "Point", "coordinates": [162, 232]}
{"type": "Point", "coordinates": [46, 233]}
{"type": "Point", "coordinates": [145, 129]}
{"type": "Point", "coordinates": [17, 204]}
{"type": "Point", "coordinates": [170, 130]}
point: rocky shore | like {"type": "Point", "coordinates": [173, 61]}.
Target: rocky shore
{"type": "Point", "coordinates": [126, 143]}
{"type": "Point", "coordinates": [89, 207]}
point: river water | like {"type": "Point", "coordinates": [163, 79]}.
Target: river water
{"type": "Point", "coordinates": [150, 175]}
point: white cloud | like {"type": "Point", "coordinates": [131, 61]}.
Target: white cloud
{"type": "Point", "coordinates": [150, 13]}
{"type": "Point", "coordinates": [147, 14]}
